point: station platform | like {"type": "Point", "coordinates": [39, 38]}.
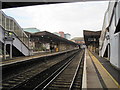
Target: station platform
{"type": "Point", "coordinates": [99, 73]}
{"type": "Point", "coordinates": [36, 55]}
{"type": "Point", "coordinates": [23, 58]}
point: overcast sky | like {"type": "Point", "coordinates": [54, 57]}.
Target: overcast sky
{"type": "Point", "coordinates": [71, 18]}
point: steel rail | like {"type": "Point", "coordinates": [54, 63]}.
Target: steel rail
{"type": "Point", "coordinates": [65, 66]}
{"type": "Point", "coordinates": [58, 73]}
{"type": "Point", "coordinates": [25, 73]}
{"type": "Point", "coordinates": [78, 66]}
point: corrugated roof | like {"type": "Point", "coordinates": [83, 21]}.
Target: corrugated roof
{"type": "Point", "coordinates": [50, 37]}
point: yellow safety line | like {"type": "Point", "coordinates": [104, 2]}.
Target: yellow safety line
{"type": "Point", "coordinates": [106, 70]}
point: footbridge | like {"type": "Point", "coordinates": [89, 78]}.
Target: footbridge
{"type": "Point", "coordinates": [13, 39]}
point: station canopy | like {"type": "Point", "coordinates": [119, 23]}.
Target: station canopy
{"type": "Point", "coordinates": [21, 3]}
{"type": "Point", "coordinates": [47, 37]}
{"type": "Point", "coordinates": [91, 36]}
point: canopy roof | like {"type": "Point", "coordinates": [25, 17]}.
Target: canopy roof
{"type": "Point", "coordinates": [48, 37]}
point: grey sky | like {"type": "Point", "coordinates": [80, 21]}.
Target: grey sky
{"type": "Point", "coordinates": [71, 18]}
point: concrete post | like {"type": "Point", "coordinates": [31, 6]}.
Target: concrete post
{"type": "Point", "coordinates": [29, 45]}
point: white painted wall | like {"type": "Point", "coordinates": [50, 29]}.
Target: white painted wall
{"type": "Point", "coordinates": [114, 37]}
{"type": "Point", "coordinates": [115, 40]}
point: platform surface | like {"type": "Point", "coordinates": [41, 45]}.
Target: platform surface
{"type": "Point", "coordinates": [100, 73]}
{"type": "Point", "coordinates": [24, 58]}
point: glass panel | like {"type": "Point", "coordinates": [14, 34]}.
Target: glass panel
{"type": "Point", "coordinates": [14, 27]}
{"type": "Point", "coordinates": [3, 21]}
{"type": "Point", "coordinates": [11, 25]}
{"type": "Point", "coordinates": [19, 33]}
{"type": "Point", "coordinates": [7, 24]}
{"type": "Point", "coordinates": [21, 37]}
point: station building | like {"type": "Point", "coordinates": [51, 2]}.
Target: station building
{"type": "Point", "coordinates": [67, 36]}
{"type": "Point", "coordinates": [43, 41]}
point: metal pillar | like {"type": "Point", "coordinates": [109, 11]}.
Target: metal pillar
{"type": "Point", "coordinates": [108, 52]}
{"type": "Point", "coordinates": [4, 55]}
{"type": "Point", "coordinates": [11, 51]}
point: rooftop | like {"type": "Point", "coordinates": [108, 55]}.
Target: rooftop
{"type": "Point", "coordinates": [48, 37]}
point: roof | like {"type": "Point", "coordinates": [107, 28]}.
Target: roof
{"type": "Point", "coordinates": [92, 35]}
{"type": "Point", "coordinates": [48, 37]}
{"type": "Point", "coordinates": [31, 30]}
{"type": "Point", "coordinates": [21, 3]}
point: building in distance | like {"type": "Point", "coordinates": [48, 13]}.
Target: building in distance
{"type": "Point", "coordinates": [64, 35]}
{"type": "Point", "coordinates": [79, 40]}
{"type": "Point", "coordinates": [56, 33]}
{"type": "Point", "coordinates": [31, 30]}
{"type": "Point", "coordinates": [67, 36]}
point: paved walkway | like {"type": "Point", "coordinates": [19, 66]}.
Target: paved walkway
{"type": "Point", "coordinates": [23, 58]}
{"type": "Point", "coordinates": [100, 73]}
{"type": "Point", "coordinates": [92, 77]}
{"type": "Point", "coordinates": [37, 55]}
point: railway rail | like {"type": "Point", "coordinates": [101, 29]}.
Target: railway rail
{"type": "Point", "coordinates": [68, 78]}
{"type": "Point", "coordinates": [22, 78]}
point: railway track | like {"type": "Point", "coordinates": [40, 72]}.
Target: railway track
{"type": "Point", "coordinates": [68, 78]}
{"type": "Point", "coordinates": [20, 79]}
